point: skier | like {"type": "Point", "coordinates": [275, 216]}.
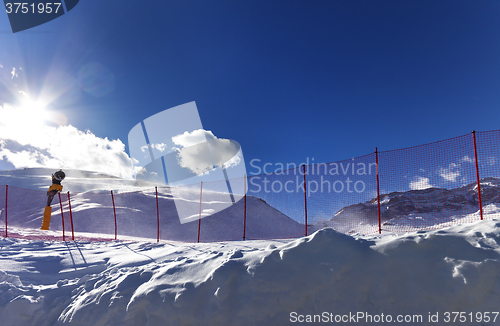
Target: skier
{"type": "Point", "coordinates": [56, 187]}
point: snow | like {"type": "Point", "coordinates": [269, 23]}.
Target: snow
{"type": "Point", "coordinates": [75, 181]}
{"type": "Point", "coordinates": [92, 209]}
{"type": "Point", "coordinates": [252, 282]}
{"type": "Point", "coordinates": [430, 208]}
{"type": "Point", "coordinates": [136, 281]}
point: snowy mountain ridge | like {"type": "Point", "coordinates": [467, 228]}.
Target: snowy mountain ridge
{"type": "Point", "coordinates": [426, 207]}
{"type": "Point", "coordinates": [75, 181]}
{"type": "Point", "coordinates": [400, 211]}
{"type": "Point", "coordinates": [136, 209]}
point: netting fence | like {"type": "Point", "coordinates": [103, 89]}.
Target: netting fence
{"type": "Point", "coordinates": [429, 186]}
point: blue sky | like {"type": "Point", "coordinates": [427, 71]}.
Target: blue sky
{"type": "Point", "coordinates": [287, 79]}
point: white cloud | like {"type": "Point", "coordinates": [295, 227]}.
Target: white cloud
{"type": "Point", "coordinates": [161, 147]}
{"type": "Point", "coordinates": [419, 183]}
{"type": "Point", "coordinates": [13, 72]}
{"type": "Point", "coordinates": [204, 156]}
{"type": "Point", "coordinates": [192, 138]}
{"type": "Point", "coordinates": [467, 159]}
{"type": "Point", "coordinates": [451, 173]}
{"type": "Point", "coordinates": [492, 160]}
{"type": "Point", "coordinates": [26, 142]}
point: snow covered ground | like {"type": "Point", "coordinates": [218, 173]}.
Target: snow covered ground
{"type": "Point", "coordinates": [415, 278]}
{"type": "Point", "coordinates": [254, 282]}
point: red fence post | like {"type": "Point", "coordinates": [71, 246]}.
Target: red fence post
{"type": "Point", "coordinates": [157, 217]}
{"type": "Point", "coordinates": [114, 213]}
{"type": "Point", "coordinates": [6, 191]}
{"type": "Point", "coordinates": [378, 194]}
{"type": "Point", "coordinates": [199, 219]}
{"type": "Point", "coordinates": [62, 216]}
{"type": "Point", "coordinates": [305, 194]}
{"type": "Point", "coordinates": [245, 209]}
{"type": "Point", "coordinates": [477, 176]}
{"type": "Point", "coordinates": [71, 218]}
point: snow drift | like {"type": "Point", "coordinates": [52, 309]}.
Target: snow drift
{"type": "Point", "coordinates": [328, 274]}
{"type": "Point", "coordinates": [252, 283]}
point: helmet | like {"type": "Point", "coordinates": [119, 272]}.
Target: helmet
{"type": "Point", "coordinates": [59, 175]}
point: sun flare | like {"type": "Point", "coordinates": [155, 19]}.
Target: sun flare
{"type": "Point", "coordinates": [36, 113]}
{"type": "Point", "coordinates": [32, 113]}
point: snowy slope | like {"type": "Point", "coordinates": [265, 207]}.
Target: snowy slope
{"type": "Point", "coordinates": [253, 282]}
{"type": "Point", "coordinates": [418, 209]}
{"type": "Point", "coordinates": [327, 275]}
{"type": "Point", "coordinates": [75, 181]}
{"type": "Point", "coordinates": [92, 209]}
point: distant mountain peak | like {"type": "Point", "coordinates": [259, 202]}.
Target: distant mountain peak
{"type": "Point", "coordinates": [430, 205]}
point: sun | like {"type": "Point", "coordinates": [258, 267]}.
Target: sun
{"type": "Point", "coordinates": [34, 112]}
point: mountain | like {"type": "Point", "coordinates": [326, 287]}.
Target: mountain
{"type": "Point", "coordinates": [135, 207]}
{"type": "Point", "coordinates": [76, 180]}
{"type": "Point", "coordinates": [417, 209]}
